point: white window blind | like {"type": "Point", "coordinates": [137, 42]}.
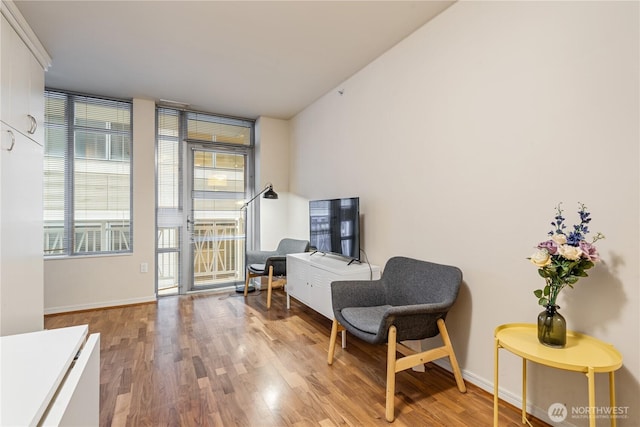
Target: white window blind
{"type": "Point", "coordinates": [210, 128]}
{"type": "Point", "coordinates": [169, 160]}
{"type": "Point", "coordinates": [56, 241]}
{"type": "Point", "coordinates": [88, 176]}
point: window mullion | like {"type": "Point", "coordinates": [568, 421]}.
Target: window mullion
{"type": "Point", "coordinates": [70, 240]}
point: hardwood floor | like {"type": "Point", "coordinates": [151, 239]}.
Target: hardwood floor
{"type": "Point", "coordinates": [223, 360]}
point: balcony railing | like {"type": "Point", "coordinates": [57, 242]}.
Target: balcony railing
{"type": "Point", "coordinates": [218, 248]}
{"type": "Point", "coordinates": [218, 252]}
{"type": "Point", "coordinates": [89, 237]}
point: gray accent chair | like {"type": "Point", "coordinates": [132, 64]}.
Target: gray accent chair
{"type": "Point", "coordinates": [286, 246]}
{"type": "Point", "coordinates": [409, 302]}
{"type": "Point", "coordinates": [273, 264]}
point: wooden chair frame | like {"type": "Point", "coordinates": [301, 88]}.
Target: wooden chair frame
{"type": "Point", "coordinates": [279, 282]}
{"type": "Point", "coordinates": [410, 359]}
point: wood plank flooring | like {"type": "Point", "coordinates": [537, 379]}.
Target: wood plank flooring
{"type": "Point", "coordinates": [218, 359]}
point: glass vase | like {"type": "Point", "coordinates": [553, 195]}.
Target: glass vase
{"type": "Point", "coordinates": [552, 328]}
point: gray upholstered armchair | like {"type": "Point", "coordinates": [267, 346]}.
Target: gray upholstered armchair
{"type": "Point", "coordinates": [286, 246]}
{"type": "Point", "coordinates": [272, 264]}
{"type": "Point", "coordinates": [409, 302]}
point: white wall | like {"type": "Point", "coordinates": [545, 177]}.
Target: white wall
{"type": "Point", "coordinates": [88, 282]}
{"type": "Point", "coordinates": [272, 166]}
{"type": "Point", "coordinates": [461, 140]}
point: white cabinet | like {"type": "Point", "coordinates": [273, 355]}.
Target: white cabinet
{"type": "Point", "coordinates": [21, 234]}
{"type": "Point", "coordinates": [22, 64]}
{"type": "Point", "coordinates": [50, 378]}
{"type": "Point", "coordinates": [309, 278]}
{"type": "Point", "coordinates": [22, 90]}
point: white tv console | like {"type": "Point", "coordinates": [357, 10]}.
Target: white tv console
{"type": "Point", "coordinates": [309, 277]}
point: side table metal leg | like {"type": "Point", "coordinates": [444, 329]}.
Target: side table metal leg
{"type": "Point", "coordinates": [592, 397]}
{"type": "Point", "coordinates": [495, 383]}
{"type": "Point", "coordinates": [612, 398]}
{"type": "Point", "coordinates": [524, 391]}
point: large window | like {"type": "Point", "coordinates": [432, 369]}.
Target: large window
{"type": "Point", "coordinates": [87, 175]}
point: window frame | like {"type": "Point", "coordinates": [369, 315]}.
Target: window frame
{"type": "Point", "coordinates": [69, 241]}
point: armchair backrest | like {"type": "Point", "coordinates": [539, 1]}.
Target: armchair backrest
{"type": "Point", "coordinates": [410, 281]}
{"type": "Point", "coordinates": [292, 246]}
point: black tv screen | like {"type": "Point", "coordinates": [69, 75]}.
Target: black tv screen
{"type": "Point", "coordinates": [335, 226]}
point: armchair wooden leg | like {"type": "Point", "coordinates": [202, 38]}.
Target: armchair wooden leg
{"type": "Point", "coordinates": [452, 356]}
{"type": "Point", "coordinates": [391, 374]}
{"type": "Point", "coordinates": [246, 283]}
{"type": "Point", "coordinates": [269, 287]}
{"type": "Point", "coordinates": [332, 341]}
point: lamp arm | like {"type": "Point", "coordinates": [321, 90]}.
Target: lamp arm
{"type": "Point", "coordinates": [265, 189]}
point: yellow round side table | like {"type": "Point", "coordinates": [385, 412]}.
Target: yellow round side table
{"type": "Point", "coordinates": [581, 354]}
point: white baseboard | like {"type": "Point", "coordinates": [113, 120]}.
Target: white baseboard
{"type": "Point", "coordinates": [505, 395]}
{"type": "Point", "coordinates": [105, 304]}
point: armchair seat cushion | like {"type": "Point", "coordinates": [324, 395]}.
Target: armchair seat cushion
{"type": "Point", "coordinates": [366, 319]}
{"type": "Point", "coordinates": [257, 268]}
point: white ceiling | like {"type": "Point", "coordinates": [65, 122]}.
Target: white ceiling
{"type": "Point", "coordinates": [238, 58]}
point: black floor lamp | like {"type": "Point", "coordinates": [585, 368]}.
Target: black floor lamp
{"type": "Point", "coordinates": [268, 194]}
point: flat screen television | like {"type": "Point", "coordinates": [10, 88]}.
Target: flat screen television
{"type": "Point", "coordinates": [334, 226]}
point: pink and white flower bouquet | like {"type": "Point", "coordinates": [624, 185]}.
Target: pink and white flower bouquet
{"type": "Point", "coordinates": [564, 258]}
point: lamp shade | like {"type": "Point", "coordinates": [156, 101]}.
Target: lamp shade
{"type": "Point", "coordinates": [267, 193]}
{"type": "Point", "coordinates": [270, 194]}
